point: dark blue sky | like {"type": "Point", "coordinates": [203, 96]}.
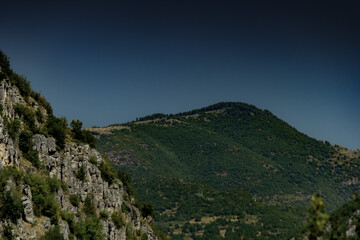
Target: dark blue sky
{"type": "Point", "coordinates": [107, 62]}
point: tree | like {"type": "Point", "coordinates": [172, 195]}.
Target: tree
{"type": "Point", "coordinates": [56, 127]}
{"type": "Point", "coordinates": [76, 129]}
{"type": "Point", "coordinates": [82, 135]}
{"type": "Point", "coordinates": [318, 218]}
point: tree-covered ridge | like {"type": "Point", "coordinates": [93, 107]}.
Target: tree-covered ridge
{"type": "Point", "coordinates": [229, 146]}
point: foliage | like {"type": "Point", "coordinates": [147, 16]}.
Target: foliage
{"type": "Point", "coordinates": [21, 83]}
{"type": "Point", "coordinates": [13, 128]}
{"type": "Point", "coordinates": [25, 146]}
{"type": "Point", "coordinates": [11, 206]}
{"type": "Point", "coordinates": [4, 63]}
{"type": "Point", "coordinates": [104, 215]}
{"type": "Point", "coordinates": [317, 219]}
{"type": "Point", "coordinates": [43, 191]}
{"type": "Point", "coordinates": [147, 209]}
{"type": "Point", "coordinates": [107, 171]}
{"type": "Point", "coordinates": [118, 219]}
{"type": "Point", "coordinates": [42, 101]}
{"type": "Point", "coordinates": [80, 134]}
{"type": "Point", "coordinates": [56, 127]}
{"type": "Point", "coordinates": [33, 157]}
{"type": "Point", "coordinates": [53, 234]}
{"type": "Point", "coordinates": [76, 129]}
{"type": "Point", "coordinates": [81, 173]}
{"type": "Point", "coordinates": [124, 208]}
{"type": "Point", "coordinates": [126, 179]}
{"type": "Point", "coordinates": [182, 161]}
{"type": "Point", "coordinates": [89, 207]}
{"type": "Point", "coordinates": [93, 160]}
{"type": "Point", "coordinates": [27, 115]}
{"type": "Point", "coordinates": [8, 232]}
{"type": "Point", "coordinates": [75, 200]}
{"type": "Point", "coordinates": [88, 229]}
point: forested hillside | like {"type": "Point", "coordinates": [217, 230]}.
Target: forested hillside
{"type": "Point", "coordinates": [229, 170]}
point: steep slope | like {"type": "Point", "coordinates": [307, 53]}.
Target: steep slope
{"type": "Point", "coordinates": [229, 146]}
{"type": "Point", "coordinates": [51, 185]}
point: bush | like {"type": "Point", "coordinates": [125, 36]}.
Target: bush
{"type": "Point", "coordinates": [11, 206]}
{"type": "Point", "coordinates": [93, 160]}
{"type": "Point", "coordinates": [56, 127]}
{"type": "Point", "coordinates": [107, 171]}
{"type": "Point", "coordinates": [81, 173]}
{"type": "Point", "coordinates": [25, 144]}
{"type": "Point", "coordinates": [83, 136]}
{"type": "Point", "coordinates": [21, 83]}
{"type": "Point", "coordinates": [125, 208]}
{"type": "Point", "coordinates": [147, 209]}
{"type": "Point", "coordinates": [91, 228]}
{"type": "Point", "coordinates": [4, 63]}
{"type": "Point", "coordinates": [126, 179]}
{"type": "Point", "coordinates": [54, 184]}
{"type": "Point", "coordinates": [89, 208]}
{"type": "Point", "coordinates": [43, 192]}
{"type": "Point", "coordinates": [118, 219]}
{"type": "Point", "coordinates": [75, 200]}
{"type": "Point", "coordinates": [104, 214]}
{"type": "Point", "coordinates": [13, 128]}
{"type": "Point", "coordinates": [88, 138]}
{"type": "Point", "coordinates": [53, 234]}
{"type": "Point", "coordinates": [33, 157]}
{"type": "Point", "coordinates": [39, 115]}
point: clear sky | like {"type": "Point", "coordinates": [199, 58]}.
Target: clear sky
{"type": "Point", "coordinates": [107, 62]}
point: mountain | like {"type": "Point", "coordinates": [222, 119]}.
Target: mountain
{"type": "Point", "coordinates": [53, 185]}
{"type": "Point", "coordinates": [229, 170]}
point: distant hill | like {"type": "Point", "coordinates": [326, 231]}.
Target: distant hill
{"type": "Point", "coordinates": [229, 169]}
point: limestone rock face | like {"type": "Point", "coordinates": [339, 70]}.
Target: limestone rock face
{"type": "Point", "coordinates": [65, 166]}
{"type": "Point", "coordinates": [28, 205]}
{"type": "Point", "coordinates": [106, 197]}
{"type": "Point", "coordinates": [9, 155]}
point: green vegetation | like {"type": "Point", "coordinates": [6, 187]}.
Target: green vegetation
{"type": "Point", "coordinates": [75, 199]}
{"type": "Point", "coordinates": [118, 219]}
{"type": "Point", "coordinates": [82, 135]}
{"type": "Point", "coordinates": [43, 191]}
{"type": "Point", "coordinates": [104, 215]}
{"type": "Point", "coordinates": [107, 171]}
{"type": "Point", "coordinates": [191, 164]}
{"type": "Point", "coordinates": [81, 173]}
{"type": "Point", "coordinates": [318, 218]}
{"type": "Point", "coordinates": [11, 206]}
{"type": "Point", "coordinates": [53, 234]}
{"type": "Point", "coordinates": [13, 128]}
{"type": "Point", "coordinates": [56, 127]}
{"type": "Point", "coordinates": [25, 146]}
{"type": "Point", "coordinates": [89, 208]}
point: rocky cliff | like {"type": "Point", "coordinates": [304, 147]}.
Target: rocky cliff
{"type": "Point", "coordinates": [52, 192]}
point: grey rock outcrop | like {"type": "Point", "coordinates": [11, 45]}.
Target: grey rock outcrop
{"type": "Point", "coordinates": [28, 205]}
{"type": "Point", "coordinates": [65, 166]}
